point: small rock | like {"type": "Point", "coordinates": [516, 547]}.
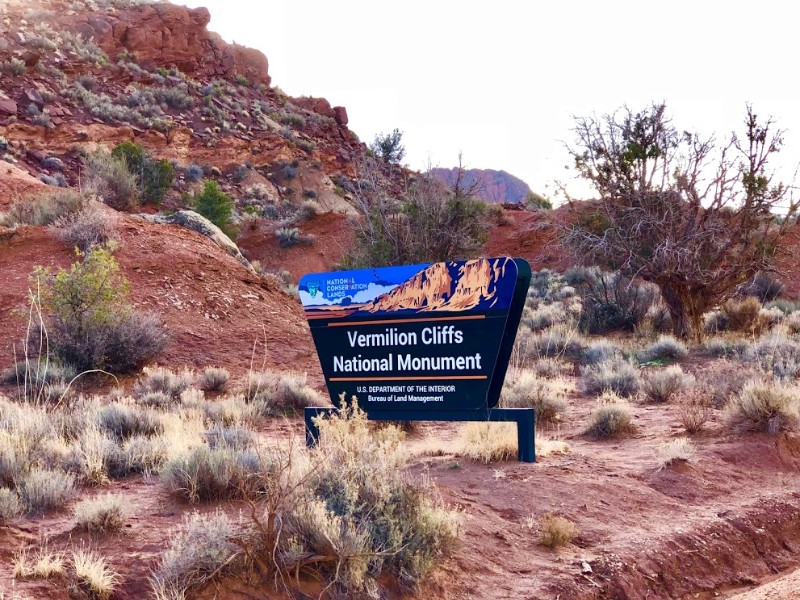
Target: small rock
{"type": "Point", "coordinates": [8, 107]}
{"type": "Point", "coordinates": [586, 568]}
{"type": "Point", "coordinates": [216, 171]}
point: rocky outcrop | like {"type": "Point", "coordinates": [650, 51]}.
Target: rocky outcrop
{"type": "Point", "coordinates": [167, 34]}
{"type": "Point", "coordinates": [493, 186]}
{"type": "Point", "coordinates": [198, 223]}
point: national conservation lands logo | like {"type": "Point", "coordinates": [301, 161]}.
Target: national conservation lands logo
{"type": "Point", "coordinates": [432, 335]}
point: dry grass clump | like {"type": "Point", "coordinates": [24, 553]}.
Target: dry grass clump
{"type": "Point", "coordinates": [661, 384]}
{"type": "Point", "coordinates": [742, 314]}
{"type": "Point", "coordinates": [560, 340]}
{"type": "Point", "coordinates": [556, 531]}
{"type": "Point", "coordinates": [125, 421]}
{"type": "Point", "coordinates": [41, 490]}
{"type": "Point", "coordinates": [524, 389]}
{"type": "Point", "coordinates": [45, 209]}
{"type": "Point", "coordinates": [161, 379]}
{"type": "Point", "coordinates": [101, 514]}
{"type": "Point", "coordinates": [213, 379]}
{"type": "Point", "coordinates": [610, 418]}
{"type": "Point", "coordinates": [38, 563]}
{"type": "Point", "coordinates": [86, 228]}
{"type": "Point", "coordinates": [776, 354]}
{"type": "Point", "coordinates": [695, 407]}
{"type": "Point", "coordinates": [94, 577]}
{"type": "Point", "coordinates": [615, 375]}
{"type": "Point", "coordinates": [10, 505]}
{"type": "Point", "coordinates": [199, 550]}
{"type": "Point", "coordinates": [766, 407]}
{"type": "Point", "coordinates": [551, 367]}
{"type": "Point", "coordinates": [665, 348]}
{"type": "Point", "coordinates": [274, 392]}
{"type": "Point", "coordinates": [675, 451]}
{"type": "Point", "coordinates": [219, 473]}
{"type": "Point", "coordinates": [544, 316]}
{"type": "Point", "coordinates": [488, 442]}
{"type": "Point", "coordinates": [601, 351]}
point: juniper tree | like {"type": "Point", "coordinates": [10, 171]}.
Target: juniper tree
{"type": "Point", "coordinates": [694, 217]}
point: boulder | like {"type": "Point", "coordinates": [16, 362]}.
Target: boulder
{"type": "Point", "coordinates": [189, 219]}
{"type": "Point", "coordinates": [7, 106]}
{"type": "Point", "coordinates": [340, 114]}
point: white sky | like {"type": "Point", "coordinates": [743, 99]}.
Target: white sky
{"type": "Point", "coordinates": [501, 81]}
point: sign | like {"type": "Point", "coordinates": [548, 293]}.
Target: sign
{"type": "Point", "coordinates": [430, 337]}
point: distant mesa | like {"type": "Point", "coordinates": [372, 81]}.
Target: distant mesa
{"type": "Point", "coordinates": [494, 186]}
{"type": "Point", "coordinates": [446, 287]}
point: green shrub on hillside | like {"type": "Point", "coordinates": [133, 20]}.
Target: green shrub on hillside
{"type": "Point", "coordinates": [215, 205]}
{"type": "Point", "coordinates": [153, 176]}
{"type": "Point", "coordinates": [92, 325]}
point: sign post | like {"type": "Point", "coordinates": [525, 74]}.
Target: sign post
{"type": "Point", "coordinates": [420, 342]}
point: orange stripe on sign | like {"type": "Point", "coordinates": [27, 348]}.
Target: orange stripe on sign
{"type": "Point", "coordinates": [388, 321]}
{"type": "Point", "coordinates": [443, 378]}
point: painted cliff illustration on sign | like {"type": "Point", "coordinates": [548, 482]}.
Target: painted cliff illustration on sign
{"type": "Point", "coordinates": [480, 284]}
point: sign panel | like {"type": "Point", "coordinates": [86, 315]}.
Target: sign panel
{"type": "Point", "coordinates": [417, 337]}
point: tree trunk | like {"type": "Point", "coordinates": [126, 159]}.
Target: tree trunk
{"type": "Point", "coordinates": [686, 310]}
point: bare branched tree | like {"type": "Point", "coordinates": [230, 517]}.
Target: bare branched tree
{"type": "Point", "coordinates": [695, 218]}
{"type": "Point", "coordinates": [427, 222]}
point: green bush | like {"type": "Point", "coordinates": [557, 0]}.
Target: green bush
{"type": "Point", "coordinates": [153, 176]}
{"type": "Point", "coordinates": [92, 325]}
{"type": "Point", "coordinates": [215, 205]}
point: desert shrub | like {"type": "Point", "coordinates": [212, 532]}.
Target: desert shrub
{"type": "Point", "coordinates": [153, 176]}
{"type": "Point", "coordinates": [766, 407]}
{"type": "Point", "coordinates": [138, 454]}
{"type": "Point", "coordinates": [611, 302]}
{"type": "Point", "coordinates": [101, 514]}
{"type": "Point", "coordinates": [764, 286]}
{"type": "Point", "coordinates": [768, 318]}
{"type": "Point", "coordinates": [215, 205]}
{"type": "Point", "coordinates": [308, 210]}
{"type": "Point", "coordinates": [555, 531]}
{"type": "Point", "coordinates": [274, 392]}
{"type": "Point", "coordinates": [665, 348]}
{"type": "Point", "coordinates": [793, 322]}
{"type": "Point", "coordinates": [601, 350]}
{"type": "Point", "coordinates": [674, 451]}
{"type": "Point", "coordinates": [557, 341]}
{"type": "Point", "coordinates": [777, 355]}
{"type": "Point", "coordinates": [742, 314]}
{"type": "Point", "coordinates": [611, 417]}
{"type": "Point", "coordinates": [38, 563]}
{"type": "Point", "coordinates": [10, 505]}
{"type": "Point", "coordinates": [175, 97]}
{"type": "Point", "coordinates": [551, 367]}
{"type": "Point", "coordinates": [123, 422]}
{"type": "Point", "coordinates": [656, 320]}
{"type": "Point", "coordinates": [199, 550]}
{"type": "Point", "coordinates": [94, 576]}
{"type": "Point", "coordinates": [213, 379]}
{"type": "Point", "coordinates": [694, 407]}
{"type": "Point", "coordinates": [163, 380]}
{"type": "Point", "coordinates": [91, 324]}
{"type": "Point", "coordinates": [545, 315]}
{"type": "Point", "coordinates": [45, 209]}
{"type": "Point", "coordinates": [194, 172]}
{"type": "Point", "coordinates": [13, 66]}
{"type": "Point", "coordinates": [365, 511]}
{"type": "Point", "coordinates": [715, 321]}
{"type": "Point", "coordinates": [287, 236]}
{"type": "Point", "coordinates": [527, 390]}
{"type": "Point", "coordinates": [85, 229]}
{"type": "Point", "coordinates": [615, 375]}
{"type": "Point", "coordinates": [659, 385]}
{"type": "Point", "coordinates": [204, 474]}
{"type": "Point", "coordinates": [726, 348]}
{"type": "Point", "coordinates": [43, 490]}
{"type": "Point", "coordinates": [111, 180]}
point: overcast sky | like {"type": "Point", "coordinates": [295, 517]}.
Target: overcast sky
{"type": "Point", "coordinates": [501, 81]}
